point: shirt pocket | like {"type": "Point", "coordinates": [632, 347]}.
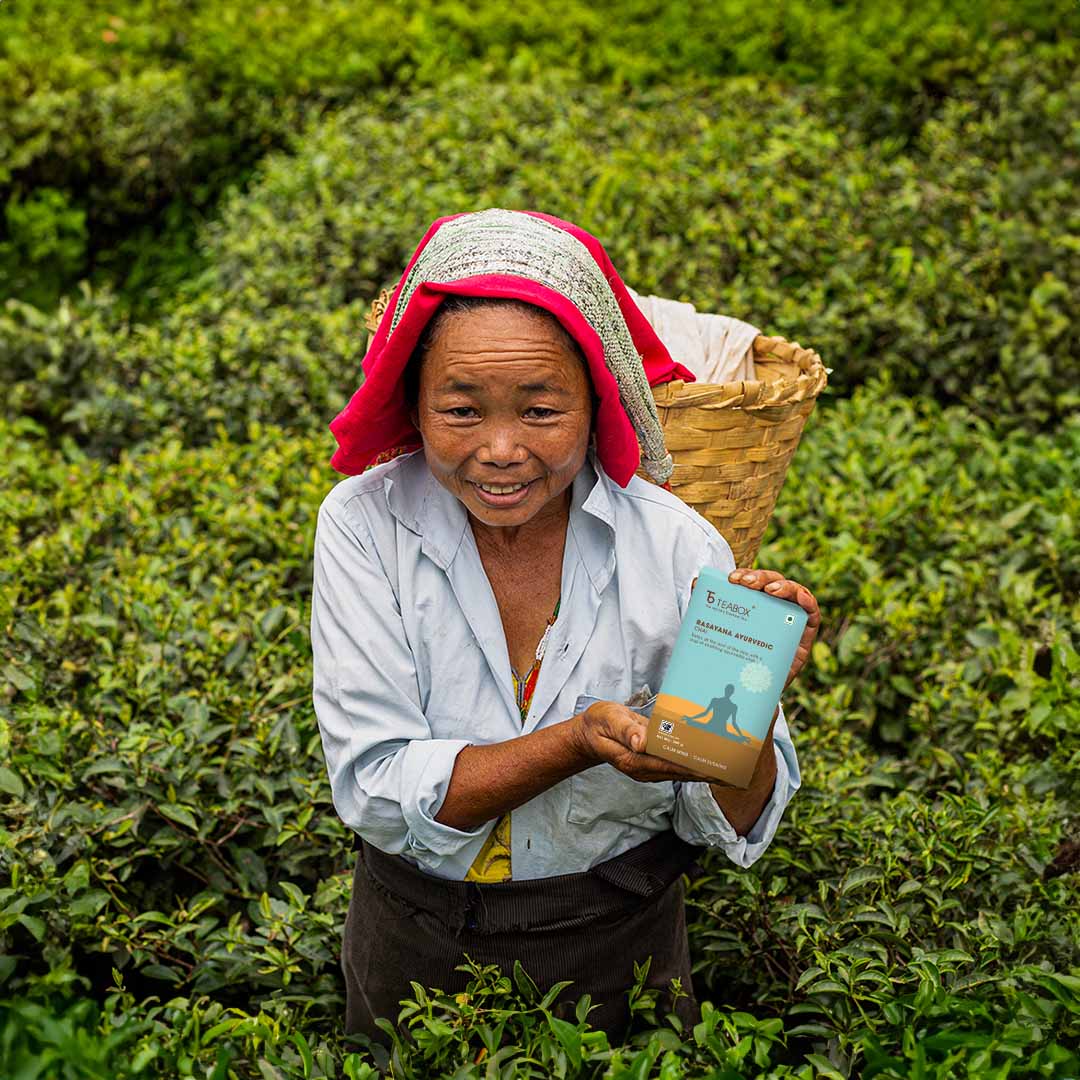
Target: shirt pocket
{"type": "Point", "coordinates": [604, 793]}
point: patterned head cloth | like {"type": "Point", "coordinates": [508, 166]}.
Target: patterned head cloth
{"type": "Point", "coordinates": [546, 262]}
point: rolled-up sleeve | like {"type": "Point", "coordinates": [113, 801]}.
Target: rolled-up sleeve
{"type": "Point", "coordinates": [699, 820]}
{"type": "Point", "coordinates": [388, 775]}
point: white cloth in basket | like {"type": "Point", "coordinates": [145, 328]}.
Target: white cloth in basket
{"type": "Point", "coordinates": [716, 348]}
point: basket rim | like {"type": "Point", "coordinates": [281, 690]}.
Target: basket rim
{"type": "Point", "coordinates": [784, 389]}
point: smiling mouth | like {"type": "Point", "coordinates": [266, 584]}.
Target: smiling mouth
{"type": "Point", "coordinates": [501, 489]}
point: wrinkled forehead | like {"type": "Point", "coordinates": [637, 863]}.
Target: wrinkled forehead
{"type": "Point", "coordinates": [505, 348]}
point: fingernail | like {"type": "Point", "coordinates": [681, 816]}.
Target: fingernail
{"type": "Point", "coordinates": [735, 575]}
{"type": "Point", "coordinates": [772, 586]}
{"type": "Point", "coordinates": [749, 577]}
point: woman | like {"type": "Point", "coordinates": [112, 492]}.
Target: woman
{"type": "Point", "coordinates": [485, 604]}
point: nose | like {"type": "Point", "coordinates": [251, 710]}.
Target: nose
{"type": "Point", "coordinates": [501, 446]}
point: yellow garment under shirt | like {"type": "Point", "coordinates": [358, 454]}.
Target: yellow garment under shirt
{"type": "Point", "coordinates": [492, 862]}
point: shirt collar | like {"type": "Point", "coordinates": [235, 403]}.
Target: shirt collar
{"type": "Point", "coordinates": [592, 521]}
{"type": "Point", "coordinates": [425, 507]}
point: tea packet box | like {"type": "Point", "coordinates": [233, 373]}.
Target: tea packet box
{"type": "Point", "coordinates": [724, 679]}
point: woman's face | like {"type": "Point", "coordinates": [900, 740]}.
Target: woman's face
{"type": "Point", "coordinates": [503, 403]}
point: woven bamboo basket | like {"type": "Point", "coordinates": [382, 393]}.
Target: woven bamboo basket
{"type": "Point", "coordinates": [732, 442]}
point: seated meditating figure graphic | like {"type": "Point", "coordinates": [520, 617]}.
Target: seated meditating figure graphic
{"type": "Point", "coordinates": [723, 711]}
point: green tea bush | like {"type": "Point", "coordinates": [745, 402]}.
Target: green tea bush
{"type": "Point", "coordinates": [942, 266]}
{"type": "Point", "coordinates": [946, 268]}
{"type": "Point", "coordinates": [123, 126]}
{"type": "Point", "coordinates": [174, 682]}
{"type": "Point", "coordinates": [894, 189]}
{"type": "Point", "coordinates": [166, 812]}
{"type": "Point", "coordinates": [111, 154]}
{"type": "Point", "coordinates": [961, 553]}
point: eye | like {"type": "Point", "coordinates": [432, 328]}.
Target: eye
{"type": "Point", "coordinates": [461, 412]}
{"type": "Point", "coordinates": [540, 412]}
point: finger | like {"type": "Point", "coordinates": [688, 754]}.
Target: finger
{"type": "Point", "coordinates": [806, 642]}
{"type": "Point", "coordinates": [803, 652]}
{"type": "Point", "coordinates": [754, 579]}
{"type": "Point", "coordinates": [784, 590]}
{"type": "Point", "coordinates": [625, 742]}
{"type": "Point", "coordinates": [809, 603]}
{"type": "Point", "coordinates": [796, 593]}
{"type": "Point", "coordinates": [629, 728]}
{"type": "Point", "coordinates": [662, 769]}
{"type": "Point", "coordinates": [803, 597]}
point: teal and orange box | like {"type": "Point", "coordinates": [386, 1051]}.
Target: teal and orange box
{"type": "Point", "coordinates": [724, 678]}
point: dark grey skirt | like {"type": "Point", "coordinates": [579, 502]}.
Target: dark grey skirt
{"type": "Point", "coordinates": [404, 924]}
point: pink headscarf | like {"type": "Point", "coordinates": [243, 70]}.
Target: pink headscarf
{"type": "Point", "coordinates": [377, 417]}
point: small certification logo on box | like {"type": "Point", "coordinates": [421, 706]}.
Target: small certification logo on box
{"type": "Point", "coordinates": [667, 726]}
{"type": "Point", "coordinates": [789, 619]}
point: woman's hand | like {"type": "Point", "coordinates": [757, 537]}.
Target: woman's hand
{"type": "Point", "coordinates": [775, 584]}
{"type": "Point", "coordinates": [608, 731]}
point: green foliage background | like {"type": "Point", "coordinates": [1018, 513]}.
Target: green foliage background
{"type": "Point", "coordinates": [201, 199]}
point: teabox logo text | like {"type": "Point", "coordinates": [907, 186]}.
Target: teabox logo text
{"type": "Point", "coordinates": [726, 606]}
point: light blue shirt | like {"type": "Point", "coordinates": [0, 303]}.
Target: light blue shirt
{"type": "Point", "coordinates": [411, 666]}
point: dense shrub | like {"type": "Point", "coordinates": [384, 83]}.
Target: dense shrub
{"type": "Point", "coordinates": [946, 267]}
{"type": "Point", "coordinates": [113, 177]}
{"type": "Point", "coordinates": [894, 188]}
{"type": "Point", "coordinates": [122, 126]}
{"type": "Point", "coordinates": [167, 813]}
{"type": "Point", "coordinates": [968, 545]}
